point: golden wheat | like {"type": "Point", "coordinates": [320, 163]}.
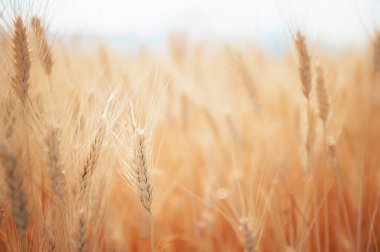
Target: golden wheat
{"type": "Point", "coordinates": [221, 181]}
{"type": "Point", "coordinates": [21, 58]}
{"type": "Point", "coordinates": [16, 191]}
{"type": "Point", "coordinates": [304, 63]}
{"type": "Point", "coordinates": [44, 51]}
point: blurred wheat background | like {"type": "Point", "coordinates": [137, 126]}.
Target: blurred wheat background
{"type": "Point", "coordinates": [216, 143]}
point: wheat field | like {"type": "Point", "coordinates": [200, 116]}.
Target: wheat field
{"type": "Point", "coordinates": [204, 147]}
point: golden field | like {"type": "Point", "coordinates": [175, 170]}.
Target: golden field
{"type": "Point", "coordinates": [205, 147]}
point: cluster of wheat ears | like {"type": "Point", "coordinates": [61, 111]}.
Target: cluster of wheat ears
{"type": "Point", "coordinates": [244, 151]}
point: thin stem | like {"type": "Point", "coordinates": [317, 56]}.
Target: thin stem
{"type": "Point", "coordinates": [151, 231]}
{"type": "Point", "coordinates": [326, 207]}
{"type": "Point", "coordinates": [362, 168]}
{"type": "Point", "coordinates": [312, 172]}
{"type": "Point", "coordinates": [373, 219]}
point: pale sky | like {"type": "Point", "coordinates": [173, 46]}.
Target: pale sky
{"type": "Point", "coordinates": [332, 22]}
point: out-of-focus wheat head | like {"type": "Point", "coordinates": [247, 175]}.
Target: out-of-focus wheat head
{"type": "Point", "coordinates": [323, 102]}
{"type": "Point", "coordinates": [304, 64]}
{"type": "Point", "coordinates": [16, 191]}
{"type": "Point", "coordinates": [376, 52]}
{"type": "Point", "coordinates": [55, 166]}
{"type": "Point", "coordinates": [44, 51]}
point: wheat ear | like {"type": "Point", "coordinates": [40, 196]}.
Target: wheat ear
{"type": "Point", "coordinates": [376, 53]}
{"type": "Point", "coordinates": [16, 191]}
{"type": "Point", "coordinates": [45, 55]}
{"type": "Point", "coordinates": [305, 78]}
{"type": "Point", "coordinates": [92, 159]}
{"type": "Point", "coordinates": [9, 118]}
{"type": "Point", "coordinates": [142, 174]}
{"type": "Point", "coordinates": [140, 163]}
{"type": "Point", "coordinates": [81, 238]}
{"type": "Point", "coordinates": [21, 58]}
{"type": "Point", "coordinates": [144, 184]}
{"type": "Point", "coordinates": [248, 81]}
{"type": "Point", "coordinates": [304, 63]}
{"type": "Point", "coordinates": [323, 102]}
{"type": "Point", "coordinates": [55, 166]}
{"type": "Point", "coordinates": [247, 235]}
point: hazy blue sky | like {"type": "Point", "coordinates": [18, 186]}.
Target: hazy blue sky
{"type": "Point", "coordinates": [333, 22]}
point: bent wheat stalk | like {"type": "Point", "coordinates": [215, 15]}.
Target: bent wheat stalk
{"type": "Point", "coordinates": [142, 170]}
{"type": "Point", "coordinates": [138, 171]}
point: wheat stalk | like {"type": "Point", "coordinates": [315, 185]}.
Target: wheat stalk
{"type": "Point", "coordinates": [323, 106]}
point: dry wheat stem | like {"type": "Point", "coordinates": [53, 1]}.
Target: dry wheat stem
{"type": "Point", "coordinates": [323, 105]}
{"type": "Point", "coordinates": [331, 147]}
{"type": "Point", "coordinates": [21, 58]}
{"type": "Point", "coordinates": [311, 133]}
